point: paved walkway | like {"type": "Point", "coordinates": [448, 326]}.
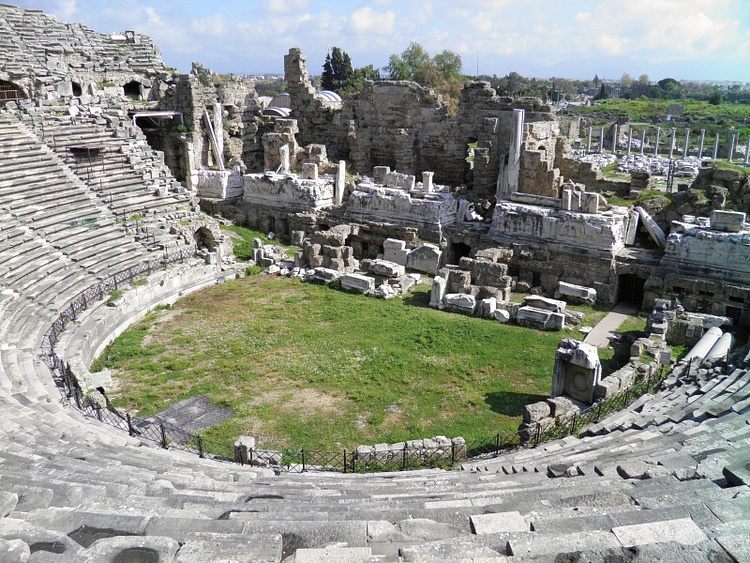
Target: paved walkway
{"type": "Point", "coordinates": [605, 329]}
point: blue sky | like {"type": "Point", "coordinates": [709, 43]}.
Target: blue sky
{"type": "Point", "coordinates": [682, 39]}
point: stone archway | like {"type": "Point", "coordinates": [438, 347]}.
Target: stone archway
{"type": "Point", "coordinates": [204, 238]}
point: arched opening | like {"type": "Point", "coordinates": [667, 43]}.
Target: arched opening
{"type": "Point", "coordinates": [132, 90]}
{"type": "Point", "coordinates": [458, 250]}
{"type": "Point", "coordinates": [10, 92]}
{"type": "Point", "coordinates": [77, 90]}
{"type": "Point", "coordinates": [204, 238]}
{"type": "Point", "coordinates": [630, 289]}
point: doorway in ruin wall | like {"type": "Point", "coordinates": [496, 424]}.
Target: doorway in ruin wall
{"type": "Point", "coordinates": [204, 238]}
{"type": "Point", "coordinates": [456, 251]}
{"type": "Point", "coordinates": [630, 289]}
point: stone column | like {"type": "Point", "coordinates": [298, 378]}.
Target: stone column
{"type": "Point", "coordinates": [747, 150]}
{"type": "Point", "coordinates": [601, 141]}
{"type": "Point", "coordinates": [643, 141]}
{"type": "Point", "coordinates": [284, 158]}
{"type": "Point", "coordinates": [700, 146]}
{"type": "Point", "coordinates": [516, 140]}
{"type": "Point", "coordinates": [614, 139]}
{"type": "Point", "coordinates": [656, 144]}
{"type": "Point", "coordinates": [687, 138]}
{"type": "Point", "coordinates": [338, 194]}
{"type": "Point", "coordinates": [630, 140]}
{"type": "Point", "coordinates": [591, 131]}
{"type": "Point", "coordinates": [218, 119]}
{"type": "Point", "coordinates": [671, 143]}
{"type": "Point", "coordinates": [427, 182]}
{"type": "Point", "coordinates": [716, 146]}
{"type": "Point", "coordinates": [732, 138]}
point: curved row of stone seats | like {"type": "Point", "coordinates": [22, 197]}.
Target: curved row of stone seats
{"type": "Point", "coordinates": [124, 175]}
{"type": "Point", "coordinates": [422, 516]}
{"type": "Point", "coordinates": [60, 228]}
{"type": "Point", "coordinates": [93, 50]}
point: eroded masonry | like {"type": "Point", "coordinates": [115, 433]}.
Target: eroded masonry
{"type": "Point", "coordinates": [492, 192]}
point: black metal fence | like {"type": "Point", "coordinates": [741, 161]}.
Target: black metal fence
{"type": "Point", "coordinates": [299, 459]}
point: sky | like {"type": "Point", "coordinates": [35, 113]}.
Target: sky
{"type": "Point", "coordinates": [576, 39]}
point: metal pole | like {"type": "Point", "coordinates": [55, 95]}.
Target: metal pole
{"type": "Point", "coordinates": [163, 436]}
{"type": "Point", "coordinates": [344, 460]}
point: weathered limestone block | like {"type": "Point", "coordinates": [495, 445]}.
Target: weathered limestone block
{"type": "Point", "coordinates": [437, 294]}
{"type": "Point", "coordinates": [728, 221]}
{"type": "Point", "coordinates": [219, 184]}
{"type": "Point", "coordinates": [309, 171]}
{"type": "Point", "coordinates": [460, 303]}
{"type": "Point", "coordinates": [561, 406]}
{"type": "Point", "coordinates": [540, 319]}
{"type": "Point", "coordinates": [576, 293]}
{"type": "Point", "coordinates": [398, 180]}
{"type": "Point", "coordinates": [696, 245]}
{"type": "Point", "coordinates": [326, 274]}
{"type": "Point", "coordinates": [379, 173]}
{"type": "Point", "coordinates": [459, 281]}
{"type": "Point", "coordinates": [512, 221]}
{"type": "Point", "coordinates": [425, 258]}
{"type": "Point", "coordinates": [386, 268]}
{"type": "Point", "coordinates": [290, 193]}
{"type": "Point", "coordinates": [535, 412]}
{"type": "Point", "coordinates": [502, 255]}
{"type": "Point", "coordinates": [501, 315]}
{"type": "Point", "coordinates": [394, 250]}
{"type": "Point", "coordinates": [335, 236]}
{"type": "Point", "coordinates": [487, 308]}
{"type": "Point", "coordinates": [395, 205]}
{"type": "Point", "coordinates": [577, 370]}
{"type": "Point", "coordinates": [654, 230]}
{"type": "Point", "coordinates": [484, 272]}
{"type": "Point", "coordinates": [545, 303]}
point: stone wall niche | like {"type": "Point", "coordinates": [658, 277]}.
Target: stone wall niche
{"type": "Point", "coordinates": [577, 371]}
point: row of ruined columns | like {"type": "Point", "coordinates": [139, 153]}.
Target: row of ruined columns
{"type": "Point", "coordinates": [733, 143]}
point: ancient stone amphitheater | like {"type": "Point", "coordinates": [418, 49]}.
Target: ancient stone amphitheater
{"type": "Point", "coordinates": [86, 206]}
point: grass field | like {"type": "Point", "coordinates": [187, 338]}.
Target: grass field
{"type": "Point", "coordinates": [306, 365]}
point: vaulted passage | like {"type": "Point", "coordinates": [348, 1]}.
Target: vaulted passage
{"type": "Point", "coordinates": [630, 289]}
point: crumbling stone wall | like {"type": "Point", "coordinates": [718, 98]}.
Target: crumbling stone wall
{"type": "Point", "coordinates": [242, 124]}
{"type": "Point", "coordinates": [408, 127]}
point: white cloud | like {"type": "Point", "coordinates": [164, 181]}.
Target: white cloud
{"type": "Point", "coordinates": [583, 17]}
{"type": "Point", "coordinates": [367, 20]}
{"type": "Point", "coordinates": [211, 26]}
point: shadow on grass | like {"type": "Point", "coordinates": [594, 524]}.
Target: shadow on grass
{"type": "Point", "coordinates": [417, 299]}
{"type": "Point", "coordinates": [509, 403]}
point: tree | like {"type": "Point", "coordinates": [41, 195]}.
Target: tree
{"type": "Point", "coordinates": [626, 80]}
{"type": "Point", "coordinates": [596, 81]}
{"type": "Point", "coordinates": [715, 98]}
{"type": "Point", "coordinates": [408, 64]}
{"type": "Point", "coordinates": [448, 64]}
{"type": "Point", "coordinates": [602, 95]}
{"type": "Point", "coordinates": [669, 86]}
{"type": "Point", "coordinates": [643, 79]}
{"type": "Point", "coordinates": [337, 70]}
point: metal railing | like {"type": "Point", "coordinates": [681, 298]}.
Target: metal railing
{"type": "Point", "coordinates": [299, 459]}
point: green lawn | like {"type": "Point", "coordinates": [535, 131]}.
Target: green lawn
{"type": "Point", "coordinates": [307, 365]}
